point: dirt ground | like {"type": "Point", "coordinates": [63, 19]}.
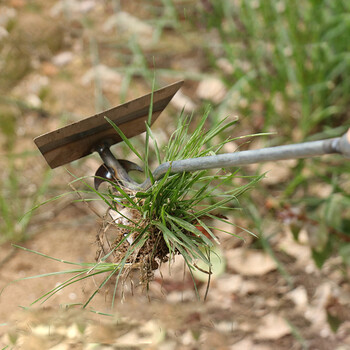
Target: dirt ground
{"type": "Point", "coordinates": [256, 303]}
{"type": "Point", "coordinates": [250, 306]}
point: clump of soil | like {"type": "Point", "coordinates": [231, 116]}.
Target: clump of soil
{"type": "Point", "coordinates": [120, 242]}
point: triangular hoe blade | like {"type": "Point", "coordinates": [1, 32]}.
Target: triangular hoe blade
{"type": "Point", "coordinates": [79, 139]}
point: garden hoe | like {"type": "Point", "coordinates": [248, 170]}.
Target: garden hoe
{"type": "Point", "coordinates": [96, 134]}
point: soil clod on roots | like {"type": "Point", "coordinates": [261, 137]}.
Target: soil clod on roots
{"type": "Point", "coordinates": [119, 243]}
{"type": "Point", "coordinates": [144, 229]}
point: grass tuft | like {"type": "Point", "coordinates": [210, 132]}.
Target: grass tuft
{"type": "Point", "coordinates": [150, 227]}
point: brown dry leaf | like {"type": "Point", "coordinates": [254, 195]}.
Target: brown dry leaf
{"type": "Point", "coordinates": [148, 333]}
{"type": "Point", "coordinates": [181, 101]}
{"type": "Point", "coordinates": [248, 344]}
{"type": "Point", "coordinates": [225, 65]}
{"type": "Point", "coordinates": [316, 310]}
{"type": "Point", "coordinates": [229, 283]}
{"type": "Point", "coordinates": [108, 333]}
{"type": "Point", "coordinates": [63, 58]}
{"type": "Point", "coordinates": [299, 297]}
{"type": "Point", "coordinates": [277, 172]}
{"type": "Point", "coordinates": [299, 250]}
{"type": "Point", "coordinates": [17, 3]}
{"type": "Point", "coordinates": [250, 262]}
{"type": "Point", "coordinates": [74, 8]}
{"type": "Point", "coordinates": [235, 284]}
{"type": "Point", "coordinates": [128, 25]}
{"type": "Point", "coordinates": [211, 89]}
{"type": "Point", "coordinates": [272, 327]}
{"type": "Point", "coordinates": [49, 69]}
{"type": "Point", "coordinates": [109, 78]}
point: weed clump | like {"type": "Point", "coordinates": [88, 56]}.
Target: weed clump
{"type": "Point", "coordinates": [119, 232]}
{"type": "Point", "coordinates": [146, 228]}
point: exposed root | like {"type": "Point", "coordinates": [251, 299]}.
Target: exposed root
{"type": "Point", "coordinates": [118, 240]}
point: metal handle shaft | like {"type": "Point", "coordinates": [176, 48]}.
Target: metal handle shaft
{"type": "Point", "coordinates": [339, 145]}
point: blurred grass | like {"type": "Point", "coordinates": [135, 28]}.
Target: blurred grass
{"type": "Point", "coordinates": [18, 194]}
{"type": "Point", "coordinates": [18, 197]}
{"type": "Point", "coordinates": [292, 59]}
{"type": "Point", "coordinates": [289, 64]}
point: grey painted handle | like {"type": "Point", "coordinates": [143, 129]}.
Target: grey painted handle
{"type": "Point", "coordinates": [340, 145]}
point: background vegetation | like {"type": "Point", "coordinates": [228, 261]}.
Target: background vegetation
{"type": "Point", "coordinates": [280, 66]}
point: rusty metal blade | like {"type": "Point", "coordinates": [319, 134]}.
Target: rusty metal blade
{"type": "Point", "coordinates": [78, 139]}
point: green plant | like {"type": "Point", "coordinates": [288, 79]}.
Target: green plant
{"type": "Point", "coordinates": [284, 62]}
{"type": "Point", "coordinates": [169, 218]}
{"type": "Point", "coordinates": [288, 68]}
{"type": "Point", "coordinates": [17, 193]}
{"type": "Point", "coordinates": [17, 198]}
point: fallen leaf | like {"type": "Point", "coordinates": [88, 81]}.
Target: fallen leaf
{"type": "Point", "coordinates": [225, 326]}
{"type": "Point", "coordinates": [316, 310]}
{"type": "Point", "coordinates": [61, 346]}
{"type": "Point", "coordinates": [229, 283]}
{"type": "Point", "coordinates": [272, 327]}
{"type": "Point", "coordinates": [235, 284]}
{"type": "Point", "coordinates": [73, 7]}
{"type": "Point", "coordinates": [248, 344]}
{"type": "Point", "coordinates": [299, 297]}
{"type": "Point", "coordinates": [109, 78]}
{"type": "Point", "coordinates": [62, 59]}
{"type": "Point", "coordinates": [181, 101]}
{"type": "Point", "coordinates": [211, 89]}
{"type": "Point", "coordinates": [3, 33]}
{"type": "Point", "coordinates": [225, 65]}
{"type": "Point", "coordinates": [128, 24]}
{"type": "Point", "coordinates": [250, 262]}
{"type": "Point", "coordinates": [299, 250]}
{"type": "Point", "coordinates": [277, 172]}
{"type": "Point", "coordinates": [49, 69]}
{"type": "Point", "coordinates": [147, 333]}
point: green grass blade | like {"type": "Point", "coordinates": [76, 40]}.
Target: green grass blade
{"type": "Point", "coordinates": [125, 139]}
{"type": "Point", "coordinates": [190, 228]}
